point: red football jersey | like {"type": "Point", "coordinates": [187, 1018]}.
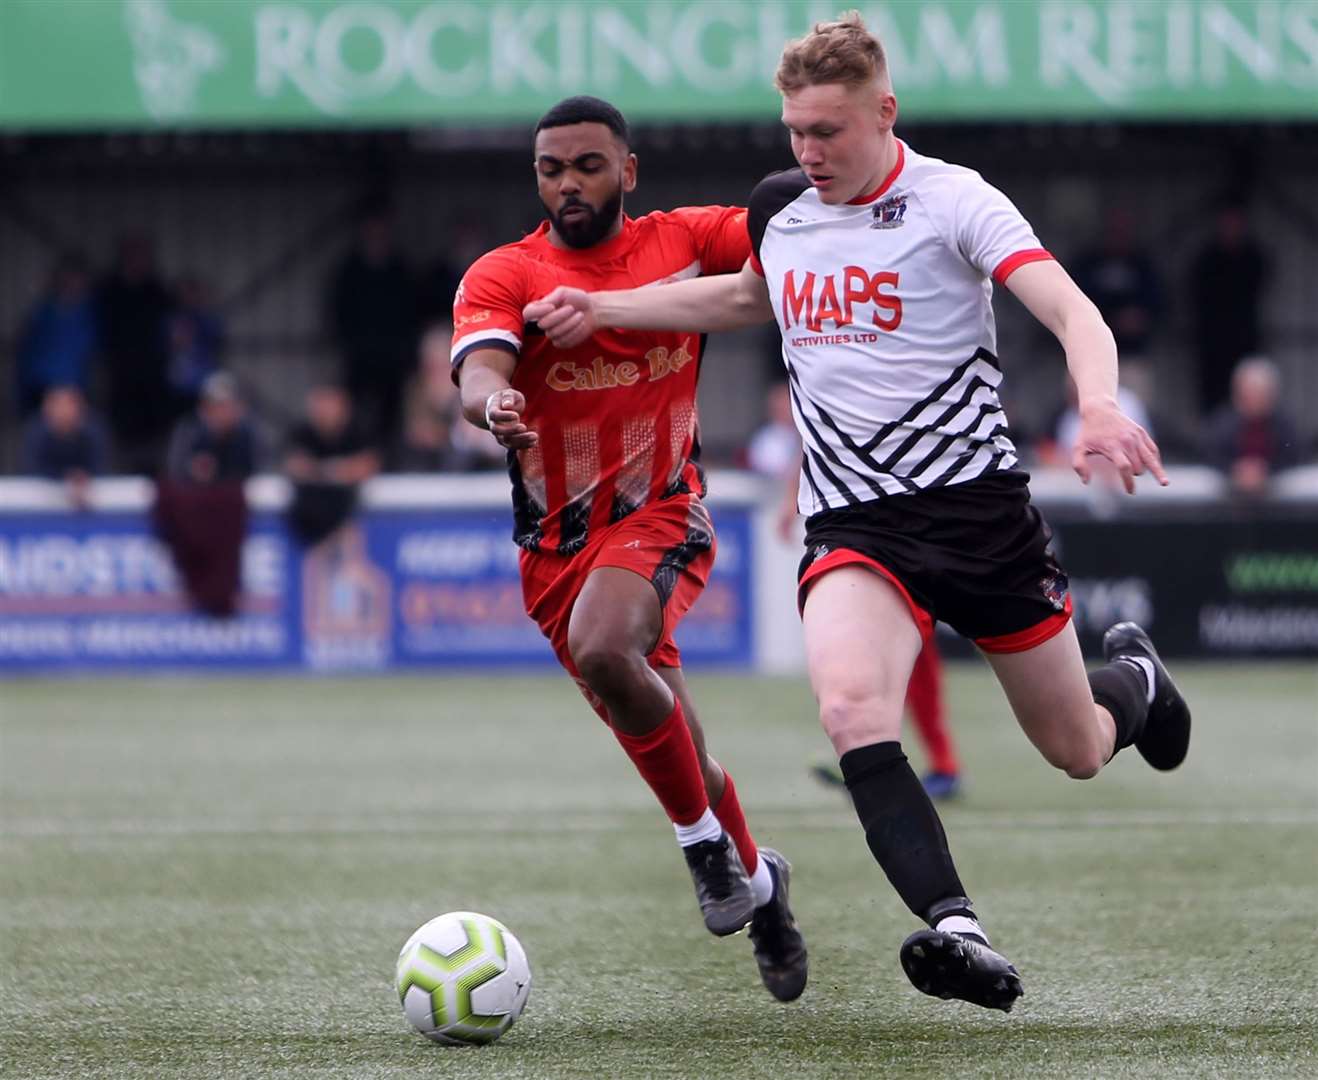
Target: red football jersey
{"type": "Point", "coordinates": [617, 414]}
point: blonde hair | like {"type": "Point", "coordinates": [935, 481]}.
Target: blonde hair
{"type": "Point", "coordinates": [843, 51]}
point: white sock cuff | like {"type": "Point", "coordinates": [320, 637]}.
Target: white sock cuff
{"type": "Point", "coordinates": [761, 883]}
{"type": "Point", "coordinates": [1146, 666]}
{"type": "Point", "coordinates": [959, 924]}
{"type": "Point", "coordinates": [706, 827]}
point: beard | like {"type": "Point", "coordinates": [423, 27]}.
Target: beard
{"type": "Point", "coordinates": [589, 230]}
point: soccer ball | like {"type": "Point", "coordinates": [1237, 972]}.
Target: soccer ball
{"type": "Point", "coordinates": [463, 979]}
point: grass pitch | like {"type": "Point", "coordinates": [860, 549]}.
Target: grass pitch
{"type": "Point", "coordinates": [213, 879]}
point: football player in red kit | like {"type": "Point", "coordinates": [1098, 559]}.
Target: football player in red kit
{"type": "Point", "coordinates": [603, 445]}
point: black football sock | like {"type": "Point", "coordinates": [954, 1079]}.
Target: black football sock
{"type": "Point", "coordinates": [1121, 687]}
{"type": "Point", "coordinates": [903, 830]}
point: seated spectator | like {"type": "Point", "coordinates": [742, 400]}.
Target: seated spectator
{"type": "Point", "coordinates": [327, 457]}
{"type": "Point", "coordinates": [1249, 438]}
{"type": "Point", "coordinates": [216, 444]}
{"type": "Point", "coordinates": [64, 443]}
{"type": "Point", "coordinates": [775, 448]}
{"type": "Point", "coordinates": [59, 338]}
{"type": "Point", "coordinates": [436, 436]}
{"type": "Point", "coordinates": [201, 506]}
{"type": "Point", "coordinates": [424, 444]}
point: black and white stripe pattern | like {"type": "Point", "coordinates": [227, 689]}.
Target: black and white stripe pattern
{"type": "Point", "coordinates": [954, 432]}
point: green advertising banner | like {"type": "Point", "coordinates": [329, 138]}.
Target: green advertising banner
{"type": "Point", "coordinates": [192, 63]}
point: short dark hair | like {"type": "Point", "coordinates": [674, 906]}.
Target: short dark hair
{"type": "Point", "coordinates": [584, 109]}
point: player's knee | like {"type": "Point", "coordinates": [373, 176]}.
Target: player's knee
{"type": "Point", "coordinates": [604, 663]}
{"type": "Point", "coordinates": [857, 716]}
{"type": "Point", "coordinates": [1086, 771]}
{"type": "Point", "coordinates": [1079, 762]}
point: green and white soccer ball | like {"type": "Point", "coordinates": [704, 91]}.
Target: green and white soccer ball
{"type": "Point", "coordinates": [463, 979]}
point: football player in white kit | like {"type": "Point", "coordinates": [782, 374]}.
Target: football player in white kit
{"type": "Point", "coordinates": [878, 264]}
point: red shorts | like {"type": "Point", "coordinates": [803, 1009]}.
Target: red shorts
{"type": "Point", "coordinates": [670, 543]}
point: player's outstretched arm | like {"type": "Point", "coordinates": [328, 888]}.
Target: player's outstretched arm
{"type": "Point", "coordinates": [719, 302]}
{"type": "Point", "coordinates": [489, 401]}
{"type": "Point", "coordinates": [1091, 355]}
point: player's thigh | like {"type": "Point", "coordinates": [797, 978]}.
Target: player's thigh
{"type": "Point", "coordinates": [616, 613]}
{"type": "Point", "coordinates": [861, 642]}
{"type": "Point", "coordinates": [1048, 690]}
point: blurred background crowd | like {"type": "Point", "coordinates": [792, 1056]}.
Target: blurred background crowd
{"type": "Point", "coordinates": [201, 308]}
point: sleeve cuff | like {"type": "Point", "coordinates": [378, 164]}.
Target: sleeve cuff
{"type": "Point", "coordinates": [756, 265]}
{"type": "Point", "coordinates": [1012, 263]}
{"type": "Point", "coordinates": [467, 348]}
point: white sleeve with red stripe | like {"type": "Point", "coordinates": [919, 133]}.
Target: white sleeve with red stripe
{"type": "Point", "coordinates": [992, 234]}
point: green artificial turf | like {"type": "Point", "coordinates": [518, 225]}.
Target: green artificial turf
{"type": "Point", "coordinates": [213, 878]}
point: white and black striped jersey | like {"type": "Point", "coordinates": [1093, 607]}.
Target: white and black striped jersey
{"type": "Point", "coordinates": [885, 309]}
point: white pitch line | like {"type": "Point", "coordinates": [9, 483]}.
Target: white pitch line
{"type": "Point", "coordinates": [560, 824]}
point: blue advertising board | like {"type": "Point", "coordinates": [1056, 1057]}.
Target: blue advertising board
{"type": "Point", "coordinates": [393, 590]}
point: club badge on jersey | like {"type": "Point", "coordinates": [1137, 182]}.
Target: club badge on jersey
{"type": "Point", "coordinates": [889, 212]}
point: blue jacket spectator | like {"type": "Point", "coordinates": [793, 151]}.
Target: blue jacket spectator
{"type": "Point", "coordinates": [196, 341]}
{"type": "Point", "coordinates": [59, 339]}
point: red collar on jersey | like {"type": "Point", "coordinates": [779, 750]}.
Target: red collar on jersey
{"type": "Point", "coordinates": [861, 200]}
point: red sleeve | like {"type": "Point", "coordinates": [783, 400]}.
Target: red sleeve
{"type": "Point", "coordinates": [722, 243]}
{"type": "Point", "coordinates": [487, 308]}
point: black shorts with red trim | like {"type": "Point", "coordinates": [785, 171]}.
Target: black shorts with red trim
{"type": "Point", "coordinates": [976, 556]}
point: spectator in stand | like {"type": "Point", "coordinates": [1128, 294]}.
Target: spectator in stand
{"type": "Point", "coordinates": [1226, 290]}
{"type": "Point", "coordinates": [64, 442]}
{"type": "Point", "coordinates": [425, 444]}
{"type": "Point", "coordinates": [216, 444]}
{"type": "Point", "coordinates": [59, 337]}
{"type": "Point", "coordinates": [133, 309]}
{"type": "Point", "coordinates": [373, 310]}
{"type": "Point", "coordinates": [439, 282]}
{"type": "Point", "coordinates": [196, 341]}
{"type": "Point", "coordinates": [436, 436]}
{"type": "Point", "coordinates": [201, 507]}
{"type": "Point", "coordinates": [1120, 278]}
{"type": "Point", "coordinates": [1250, 439]}
{"type": "Point", "coordinates": [328, 457]}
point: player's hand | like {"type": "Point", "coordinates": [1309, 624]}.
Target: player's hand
{"type": "Point", "coordinates": [1109, 433]}
{"type": "Point", "coordinates": [503, 416]}
{"type": "Point", "coordinates": [566, 315]}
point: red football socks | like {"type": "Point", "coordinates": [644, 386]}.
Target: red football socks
{"type": "Point", "coordinates": [666, 759]}
{"type": "Point", "coordinates": [728, 811]}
